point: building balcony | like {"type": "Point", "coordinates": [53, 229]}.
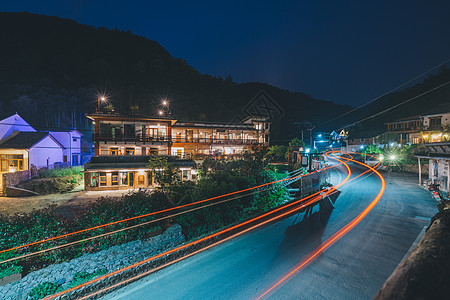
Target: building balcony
{"type": "Point", "coordinates": [215, 141]}
{"type": "Point", "coordinates": [131, 139]}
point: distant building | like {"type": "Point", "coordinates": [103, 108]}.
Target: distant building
{"type": "Point", "coordinates": [14, 132]}
{"type": "Point", "coordinates": [71, 141]}
{"type": "Point", "coordinates": [431, 127]}
{"type": "Point", "coordinates": [439, 164]}
{"type": "Point", "coordinates": [356, 143]}
{"type": "Point", "coordinates": [408, 129]}
{"type": "Point", "coordinates": [23, 151]}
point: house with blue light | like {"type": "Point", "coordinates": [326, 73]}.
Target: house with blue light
{"type": "Point", "coordinates": [23, 148]}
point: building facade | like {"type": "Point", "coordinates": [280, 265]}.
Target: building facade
{"type": "Point", "coordinates": [439, 164]}
{"type": "Point", "coordinates": [432, 127]}
{"type": "Point", "coordinates": [124, 143]}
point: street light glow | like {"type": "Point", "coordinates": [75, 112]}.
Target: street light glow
{"type": "Point", "coordinates": [307, 150]}
{"type": "Point", "coordinates": [392, 157]}
{"type": "Point", "coordinates": [160, 112]}
{"type": "Point", "coordinates": [164, 102]}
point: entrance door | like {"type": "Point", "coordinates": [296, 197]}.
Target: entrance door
{"type": "Point", "coordinates": [131, 179]}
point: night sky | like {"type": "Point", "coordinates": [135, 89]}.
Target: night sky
{"type": "Point", "coordinates": [343, 51]}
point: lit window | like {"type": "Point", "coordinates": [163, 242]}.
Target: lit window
{"type": "Point", "coordinates": [115, 178]}
{"type": "Point", "coordinates": [129, 151]}
{"type": "Point", "coordinates": [102, 179]}
{"type": "Point", "coordinates": [114, 151]}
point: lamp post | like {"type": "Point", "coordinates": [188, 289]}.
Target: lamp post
{"type": "Point", "coordinates": [165, 105]}
{"type": "Point", "coordinates": [102, 99]}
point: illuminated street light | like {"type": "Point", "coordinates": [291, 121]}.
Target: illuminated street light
{"type": "Point", "coordinates": [164, 102]}
{"type": "Point", "coordinates": [392, 157]}
{"type": "Point", "coordinates": [100, 98]}
{"type": "Point", "coordinates": [160, 112]}
{"type": "Point", "coordinates": [307, 150]}
{"type": "Point", "coordinates": [392, 144]}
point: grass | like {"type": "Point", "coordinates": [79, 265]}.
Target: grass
{"type": "Point", "coordinates": [56, 173]}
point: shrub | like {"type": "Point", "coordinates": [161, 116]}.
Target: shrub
{"type": "Point", "coordinates": [43, 289]}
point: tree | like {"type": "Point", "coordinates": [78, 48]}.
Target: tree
{"type": "Point", "coordinates": [387, 138]}
{"type": "Point", "coordinates": [277, 152]}
{"type": "Point", "coordinates": [295, 142]}
{"type": "Point", "coordinates": [165, 173]}
{"type": "Point", "coordinates": [372, 149]}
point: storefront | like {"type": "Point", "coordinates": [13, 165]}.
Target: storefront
{"type": "Point", "coordinates": [122, 173]}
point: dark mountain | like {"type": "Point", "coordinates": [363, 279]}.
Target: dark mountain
{"type": "Point", "coordinates": [52, 69]}
{"type": "Point", "coordinates": [430, 96]}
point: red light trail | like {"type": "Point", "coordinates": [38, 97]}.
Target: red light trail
{"type": "Point", "coordinates": [312, 198]}
{"type": "Point", "coordinates": [141, 216]}
{"type": "Point", "coordinates": [331, 240]}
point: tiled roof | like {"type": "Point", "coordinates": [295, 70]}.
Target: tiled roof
{"type": "Point", "coordinates": [23, 140]}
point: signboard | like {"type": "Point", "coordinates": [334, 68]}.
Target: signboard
{"type": "Point", "coordinates": [305, 160]}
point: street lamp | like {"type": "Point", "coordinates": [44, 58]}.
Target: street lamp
{"type": "Point", "coordinates": [392, 157]}
{"type": "Point", "coordinates": [100, 98]}
{"type": "Point", "coordinates": [160, 112]}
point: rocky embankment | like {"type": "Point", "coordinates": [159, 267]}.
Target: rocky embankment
{"type": "Point", "coordinates": [111, 259]}
{"type": "Point", "coordinates": [425, 273]}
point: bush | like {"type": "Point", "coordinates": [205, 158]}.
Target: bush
{"type": "Point", "coordinates": [43, 289]}
{"type": "Point", "coordinates": [55, 173]}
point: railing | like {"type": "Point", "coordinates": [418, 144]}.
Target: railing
{"type": "Point", "coordinates": [175, 140]}
{"type": "Point", "coordinates": [136, 138]}
{"type": "Point", "coordinates": [215, 141]}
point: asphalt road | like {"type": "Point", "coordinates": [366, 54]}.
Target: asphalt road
{"type": "Point", "coordinates": [354, 267]}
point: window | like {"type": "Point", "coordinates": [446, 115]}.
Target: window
{"type": "Point", "coordinates": [129, 130]}
{"type": "Point", "coordinates": [114, 151]}
{"type": "Point", "coordinates": [129, 151]}
{"type": "Point", "coordinates": [123, 178]}
{"type": "Point", "coordinates": [154, 151]}
{"type": "Point", "coordinates": [435, 122]}
{"type": "Point", "coordinates": [102, 178]}
{"type": "Point", "coordinates": [75, 160]}
{"type": "Point", "coordinates": [11, 162]}
{"type": "Point", "coordinates": [74, 140]}
{"type": "Point", "coordinates": [141, 179]}
{"type": "Point", "coordinates": [150, 178]}
{"type": "Point", "coordinates": [94, 179]}
{"type": "Point", "coordinates": [186, 175]}
{"type": "Point", "coordinates": [115, 178]}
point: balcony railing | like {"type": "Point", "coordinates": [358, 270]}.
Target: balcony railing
{"type": "Point", "coordinates": [215, 141]}
{"type": "Point", "coordinates": [174, 139]}
{"type": "Point", "coordinates": [136, 138]}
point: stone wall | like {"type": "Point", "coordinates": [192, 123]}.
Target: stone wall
{"type": "Point", "coordinates": [111, 259]}
{"type": "Point", "coordinates": [12, 179]}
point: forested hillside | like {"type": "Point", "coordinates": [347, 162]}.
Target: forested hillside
{"type": "Point", "coordinates": [53, 68]}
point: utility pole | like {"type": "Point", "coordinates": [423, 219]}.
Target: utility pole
{"type": "Point", "coordinates": [310, 136]}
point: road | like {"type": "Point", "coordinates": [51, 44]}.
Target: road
{"type": "Point", "coordinates": [354, 267]}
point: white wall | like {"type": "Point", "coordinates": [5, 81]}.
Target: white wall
{"type": "Point", "coordinates": [45, 153]}
{"type": "Point", "coordinates": [444, 121]}
{"type": "Point", "coordinates": [71, 141]}
{"type": "Point", "coordinates": [14, 123]}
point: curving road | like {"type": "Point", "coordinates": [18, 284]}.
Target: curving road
{"type": "Point", "coordinates": [354, 267]}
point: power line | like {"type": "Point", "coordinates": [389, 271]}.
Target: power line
{"type": "Point", "coordinates": [395, 106]}
{"type": "Point", "coordinates": [373, 100]}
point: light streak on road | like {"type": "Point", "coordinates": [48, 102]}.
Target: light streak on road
{"type": "Point", "coordinates": [142, 216]}
{"type": "Point", "coordinates": [331, 240]}
{"type": "Point", "coordinates": [312, 198]}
